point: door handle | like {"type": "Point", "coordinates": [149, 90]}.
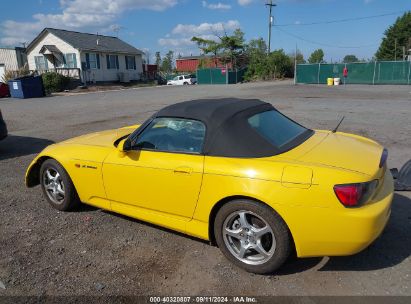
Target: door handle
{"type": "Point", "coordinates": [184, 170]}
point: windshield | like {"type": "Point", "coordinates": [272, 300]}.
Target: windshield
{"type": "Point", "coordinates": [276, 128]}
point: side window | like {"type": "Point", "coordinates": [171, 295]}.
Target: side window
{"type": "Point", "coordinates": [71, 61]}
{"type": "Point", "coordinates": [180, 78]}
{"type": "Point", "coordinates": [130, 62]}
{"type": "Point", "coordinates": [41, 63]}
{"type": "Point", "coordinates": [93, 61]}
{"type": "Point", "coordinates": [112, 62]}
{"type": "Point", "coordinates": [172, 135]}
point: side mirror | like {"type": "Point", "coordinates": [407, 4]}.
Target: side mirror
{"type": "Point", "coordinates": [124, 145]}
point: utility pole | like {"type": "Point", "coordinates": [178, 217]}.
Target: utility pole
{"type": "Point", "coordinates": [395, 50]}
{"type": "Point", "coordinates": [295, 64]}
{"type": "Point", "coordinates": [270, 5]}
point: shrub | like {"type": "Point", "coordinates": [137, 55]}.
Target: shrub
{"type": "Point", "coordinates": [265, 67]}
{"type": "Point", "coordinates": [55, 82]}
{"type": "Point", "coordinates": [10, 75]}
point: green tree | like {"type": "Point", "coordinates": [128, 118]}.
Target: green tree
{"type": "Point", "coordinates": [228, 47]}
{"type": "Point", "coordinates": [300, 58]}
{"type": "Point", "coordinates": [317, 56]}
{"type": "Point", "coordinates": [397, 34]}
{"type": "Point", "coordinates": [256, 52]}
{"type": "Point", "coordinates": [280, 64]}
{"type": "Point", "coordinates": [350, 58]}
{"type": "Point", "coordinates": [208, 47]}
{"type": "Point", "coordinates": [265, 67]}
{"type": "Point", "coordinates": [256, 47]}
{"type": "Point", "coordinates": [233, 47]}
{"type": "Point", "coordinates": [167, 64]}
{"type": "Point", "coordinates": [158, 59]}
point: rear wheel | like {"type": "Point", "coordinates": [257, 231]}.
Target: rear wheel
{"type": "Point", "coordinates": [57, 186]}
{"type": "Point", "coordinates": [252, 236]}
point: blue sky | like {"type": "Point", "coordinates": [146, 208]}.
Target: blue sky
{"type": "Point", "coordinates": [161, 25]}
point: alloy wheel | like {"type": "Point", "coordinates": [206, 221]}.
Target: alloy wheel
{"type": "Point", "coordinates": [54, 186]}
{"type": "Point", "coordinates": [248, 237]}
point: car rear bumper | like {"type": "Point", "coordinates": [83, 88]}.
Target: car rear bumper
{"type": "Point", "coordinates": [349, 231]}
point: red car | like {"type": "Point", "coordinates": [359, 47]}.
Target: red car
{"type": "Point", "coordinates": [4, 90]}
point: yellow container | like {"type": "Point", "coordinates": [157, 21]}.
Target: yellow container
{"type": "Point", "coordinates": [330, 81]}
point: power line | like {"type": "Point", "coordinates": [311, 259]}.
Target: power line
{"type": "Point", "coordinates": [324, 44]}
{"type": "Point", "coordinates": [341, 20]}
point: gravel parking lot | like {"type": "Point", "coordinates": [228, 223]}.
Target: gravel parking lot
{"type": "Point", "coordinates": [91, 251]}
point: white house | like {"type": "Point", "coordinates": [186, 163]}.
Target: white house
{"type": "Point", "coordinates": [93, 58]}
{"type": "Point", "coordinates": [11, 59]}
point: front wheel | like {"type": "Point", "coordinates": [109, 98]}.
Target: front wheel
{"type": "Point", "coordinates": [252, 236]}
{"type": "Point", "coordinates": [57, 186]}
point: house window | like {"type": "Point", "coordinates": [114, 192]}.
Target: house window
{"type": "Point", "coordinates": [130, 62]}
{"type": "Point", "coordinates": [71, 61]}
{"type": "Point", "coordinates": [92, 59]}
{"type": "Point", "coordinates": [112, 62]}
{"type": "Point", "coordinates": [40, 62]}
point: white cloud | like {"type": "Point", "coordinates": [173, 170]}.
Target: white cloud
{"type": "Point", "coordinates": [205, 28]}
{"type": "Point", "coordinates": [87, 15]}
{"type": "Point", "coordinates": [216, 6]}
{"type": "Point", "coordinates": [244, 2]}
{"type": "Point", "coordinates": [181, 34]}
{"type": "Point", "coordinates": [175, 42]}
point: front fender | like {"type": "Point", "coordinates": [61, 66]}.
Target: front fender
{"type": "Point", "coordinates": [32, 177]}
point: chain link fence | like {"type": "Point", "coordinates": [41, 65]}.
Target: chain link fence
{"type": "Point", "coordinates": [376, 72]}
{"type": "Point", "coordinates": [220, 76]}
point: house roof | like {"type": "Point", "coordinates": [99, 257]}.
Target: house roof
{"type": "Point", "coordinates": [89, 42]}
{"type": "Point", "coordinates": [50, 48]}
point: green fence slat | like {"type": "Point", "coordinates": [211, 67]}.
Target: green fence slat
{"type": "Point", "coordinates": [216, 76]}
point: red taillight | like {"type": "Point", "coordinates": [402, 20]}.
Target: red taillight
{"type": "Point", "coordinates": [352, 195]}
{"type": "Point", "coordinates": [349, 195]}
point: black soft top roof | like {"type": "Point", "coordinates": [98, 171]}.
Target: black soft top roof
{"type": "Point", "coordinates": [213, 112]}
{"type": "Point", "coordinates": [228, 133]}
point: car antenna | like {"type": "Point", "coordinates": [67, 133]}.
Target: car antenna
{"type": "Point", "coordinates": [336, 128]}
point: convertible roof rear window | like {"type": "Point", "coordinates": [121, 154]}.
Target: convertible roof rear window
{"type": "Point", "coordinates": [278, 129]}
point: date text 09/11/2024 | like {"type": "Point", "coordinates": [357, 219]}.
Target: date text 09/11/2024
{"type": "Point", "coordinates": [199, 299]}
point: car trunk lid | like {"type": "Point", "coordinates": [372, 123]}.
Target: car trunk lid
{"type": "Point", "coordinates": [346, 151]}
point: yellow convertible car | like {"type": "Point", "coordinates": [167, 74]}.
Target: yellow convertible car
{"type": "Point", "coordinates": [235, 172]}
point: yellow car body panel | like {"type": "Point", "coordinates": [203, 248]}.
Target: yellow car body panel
{"type": "Point", "coordinates": [179, 191]}
{"type": "Point", "coordinates": [165, 182]}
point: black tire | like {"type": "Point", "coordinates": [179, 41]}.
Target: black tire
{"type": "Point", "coordinates": [71, 200]}
{"type": "Point", "coordinates": [185, 83]}
{"type": "Point", "coordinates": [273, 220]}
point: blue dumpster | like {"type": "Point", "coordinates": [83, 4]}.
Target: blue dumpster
{"type": "Point", "coordinates": [26, 87]}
